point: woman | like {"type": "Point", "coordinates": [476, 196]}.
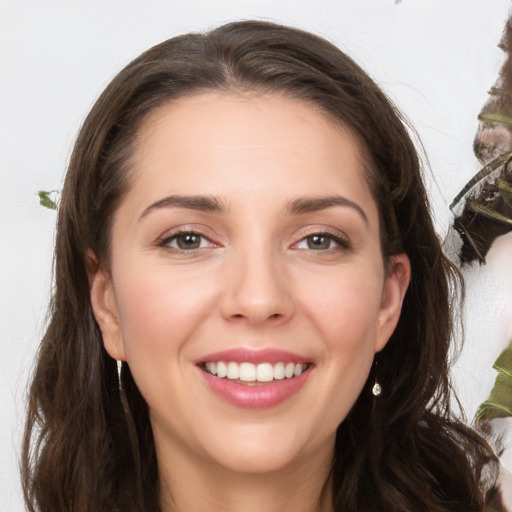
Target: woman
{"type": "Point", "coordinates": [244, 229]}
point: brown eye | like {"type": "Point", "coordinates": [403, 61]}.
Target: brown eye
{"type": "Point", "coordinates": [185, 242]}
{"type": "Point", "coordinates": [319, 242]}
{"type": "Point", "coordinates": [188, 241]}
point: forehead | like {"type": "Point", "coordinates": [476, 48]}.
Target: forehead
{"type": "Point", "coordinates": [222, 143]}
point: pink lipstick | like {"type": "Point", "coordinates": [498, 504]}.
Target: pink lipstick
{"type": "Point", "coordinates": [254, 379]}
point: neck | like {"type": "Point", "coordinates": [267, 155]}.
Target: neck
{"type": "Point", "coordinates": [194, 486]}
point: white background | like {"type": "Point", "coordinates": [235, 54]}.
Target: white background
{"type": "Point", "coordinates": [435, 58]}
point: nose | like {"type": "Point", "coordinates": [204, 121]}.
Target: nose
{"type": "Point", "coordinates": [257, 290]}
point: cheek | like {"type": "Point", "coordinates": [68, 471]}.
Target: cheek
{"type": "Point", "coordinates": [159, 311]}
{"type": "Point", "coordinates": [344, 306]}
{"type": "Point", "coordinates": [344, 310]}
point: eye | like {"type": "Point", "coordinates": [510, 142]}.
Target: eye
{"type": "Point", "coordinates": [322, 242]}
{"type": "Point", "coordinates": [185, 241]}
{"type": "Point", "coordinates": [318, 242]}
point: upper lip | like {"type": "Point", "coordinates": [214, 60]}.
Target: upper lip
{"type": "Point", "coordinates": [247, 355]}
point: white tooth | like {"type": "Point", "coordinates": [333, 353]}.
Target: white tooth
{"type": "Point", "coordinates": [279, 371]}
{"type": "Point", "coordinates": [211, 368]}
{"type": "Point", "coordinates": [299, 368]}
{"type": "Point", "coordinates": [221, 369]}
{"type": "Point", "coordinates": [247, 372]}
{"type": "Point", "coordinates": [288, 371]}
{"type": "Point", "coordinates": [233, 371]}
{"type": "Point", "coordinates": [264, 372]}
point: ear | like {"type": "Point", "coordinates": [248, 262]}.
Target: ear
{"type": "Point", "coordinates": [104, 306]}
{"type": "Point", "coordinates": [397, 280]}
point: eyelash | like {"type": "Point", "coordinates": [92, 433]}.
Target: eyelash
{"type": "Point", "coordinates": [342, 244]}
{"type": "Point", "coordinates": [165, 241]}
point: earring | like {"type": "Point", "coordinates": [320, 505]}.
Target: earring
{"type": "Point", "coordinates": [119, 370]}
{"type": "Point", "coordinates": [122, 394]}
{"type": "Point", "coordinates": [377, 388]}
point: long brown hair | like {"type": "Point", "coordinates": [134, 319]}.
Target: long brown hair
{"type": "Point", "coordinates": [400, 452]}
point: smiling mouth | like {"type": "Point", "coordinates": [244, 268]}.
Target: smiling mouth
{"type": "Point", "coordinates": [247, 373]}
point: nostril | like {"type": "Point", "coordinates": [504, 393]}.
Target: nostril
{"type": "Point", "coordinates": [241, 316]}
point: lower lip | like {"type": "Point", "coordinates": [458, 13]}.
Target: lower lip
{"type": "Point", "coordinates": [258, 395]}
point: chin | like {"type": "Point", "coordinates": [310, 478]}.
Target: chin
{"type": "Point", "coordinates": [268, 450]}
{"type": "Point", "coordinates": [262, 460]}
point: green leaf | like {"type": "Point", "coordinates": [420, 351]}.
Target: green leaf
{"type": "Point", "coordinates": [505, 189]}
{"type": "Point", "coordinates": [499, 402]}
{"type": "Point", "coordinates": [45, 200]}
{"type": "Point", "coordinates": [495, 118]}
{"type": "Point", "coordinates": [491, 213]}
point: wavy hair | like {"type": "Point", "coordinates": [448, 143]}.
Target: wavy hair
{"type": "Point", "coordinates": [83, 451]}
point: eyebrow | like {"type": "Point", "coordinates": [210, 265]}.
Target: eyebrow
{"type": "Point", "coordinates": [314, 204]}
{"type": "Point", "coordinates": [201, 203]}
{"type": "Point", "coordinates": [216, 205]}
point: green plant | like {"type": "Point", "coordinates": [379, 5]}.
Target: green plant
{"type": "Point", "coordinates": [48, 199]}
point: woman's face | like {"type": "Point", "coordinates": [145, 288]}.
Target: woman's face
{"type": "Point", "coordinates": [248, 243]}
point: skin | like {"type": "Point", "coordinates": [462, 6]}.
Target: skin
{"type": "Point", "coordinates": [256, 281]}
